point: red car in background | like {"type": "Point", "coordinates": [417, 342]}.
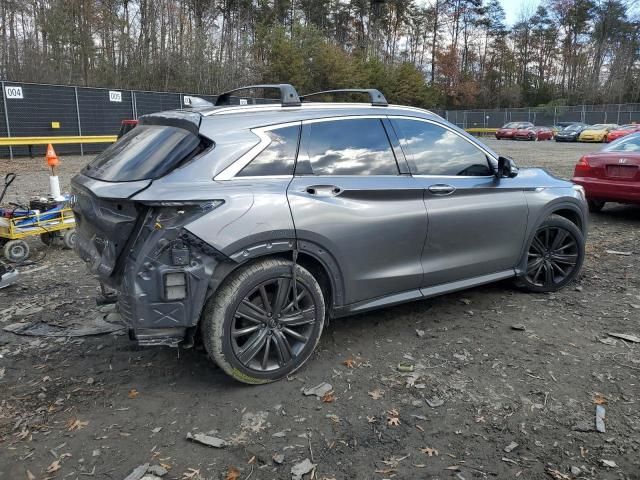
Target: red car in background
{"type": "Point", "coordinates": [534, 133]}
{"type": "Point", "coordinates": [622, 131]}
{"type": "Point", "coordinates": [612, 174]}
{"type": "Point", "coordinates": [510, 129]}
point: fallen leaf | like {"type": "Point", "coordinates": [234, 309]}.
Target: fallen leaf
{"type": "Point", "coordinates": [480, 419]}
{"type": "Point", "coordinates": [30, 476]}
{"type": "Point", "coordinates": [328, 397]}
{"type": "Point", "coordinates": [166, 466]}
{"type": "Point", "coordinates": [54, 467]}
{"type": "Point", "coordinates": [190, 474]}
{"type": "Point", "coordinates": [600, 399]}
{"type": "Point", "coordinates": [393, 421]}
{"type": "Point", "coordinates": [556, 474]}
{"type": "Point", "coordinates": [420, 428]}
{"type": "Point", "coordinates": [429, 451]}
{"type": "Point", "coordinates": [371, 419]}
{"type": "Point", "coordinates": [349, 363]}
{"type": "Point", "coordinates": [376, 394]}
{"type": "Point", "coordinates": [133, 393]}
{"type": "Point", "coordinates": [232, 474]}
{"type": "Point", "coordinates": [75, 424]}
{"type": "Point", "coordinates": [252, 459]}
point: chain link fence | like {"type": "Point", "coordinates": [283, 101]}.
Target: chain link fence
{"type": "Point", "coordinates": [38, 110]}
{"type": "Point", "coordinates": [620, 114]}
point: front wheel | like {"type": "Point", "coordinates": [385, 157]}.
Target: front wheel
{"type": "Point", "coordinates": [16, 251]}
{"type": "Point", "coordinates": [554, 256]}
{"type": "Point", "coordinates": [263, 325]}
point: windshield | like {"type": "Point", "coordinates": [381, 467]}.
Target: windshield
{"type": "Point", "coordinates": [511, 125]}
{"type": "Point", "coordinates": [630, 143]}
{"type": "Point", "coordinates": [598, 126]}
{"type": "Point", "coordinates": [573, 128]}
{"type": "Point", "coordinates": [146, 152]}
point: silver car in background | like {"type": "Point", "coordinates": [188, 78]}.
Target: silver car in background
{"type": "Point", "coordinates": [251, 225]}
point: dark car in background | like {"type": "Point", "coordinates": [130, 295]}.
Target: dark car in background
{"type": "Point", "coordinates": [612, 174]}
{"type": "Point", "coordinates": [571, 132]}
{"type": "Point", "coordinates": [509, 130]}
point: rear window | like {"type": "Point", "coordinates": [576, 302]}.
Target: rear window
{"type": "Point", "coordinates": [146, 152]}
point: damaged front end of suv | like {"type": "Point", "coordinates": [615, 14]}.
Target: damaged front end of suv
{"type": "Point", "coordinates": [140, 246]}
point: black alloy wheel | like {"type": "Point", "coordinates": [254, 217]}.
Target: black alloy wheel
{"type": "Point", "coordinates": [552, 257]}
{"type": "Point", "coordinates": [272, 324]}
{"type": "Point", "coordinates": [263, 324]}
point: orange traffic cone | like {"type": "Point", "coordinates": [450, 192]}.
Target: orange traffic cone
{"type": "Point", "coordinates": [51, 157]}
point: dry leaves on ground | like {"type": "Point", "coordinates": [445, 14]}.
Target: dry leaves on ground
{"type": "Point", "coordinates": [349, 363]}
{"type": "Point", "coordinates": [75, 424]}
{"type": "Point", "coordinates": [133, 393]}
{"type": "Point", "coordinates": [429, 451]}
{"type": "Point", "coordinates": [600, 399]}
{"type": "Point", "coordinates": [393, 418]}
{"type": "Point", "coordinates": [329, 397]}
{"type": "Point", "coordinates": [54, 467]}
{"type": "Point", "coordinates": [376, 394]}
{"type": "Point", "coordinates": [232, 474]}
{"type": "Point", "coordinates": [190, 474]}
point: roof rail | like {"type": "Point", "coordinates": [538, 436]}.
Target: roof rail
{"type": "Point", "coordinates": [375, 96]}
{"type": "Point", "coordinates": [288, 95]}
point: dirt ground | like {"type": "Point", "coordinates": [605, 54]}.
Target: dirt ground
{"type": "Point", "coordinates": [505, 384]}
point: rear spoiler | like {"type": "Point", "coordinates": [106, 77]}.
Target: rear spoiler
{"type": "Point", "coordinates": [174, 118]}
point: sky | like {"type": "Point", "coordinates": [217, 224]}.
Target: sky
{"type": "Point", "coordinates": [513, 8]}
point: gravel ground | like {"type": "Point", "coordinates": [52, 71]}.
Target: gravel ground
{"type": "Point", "coordinates": [485, 399]}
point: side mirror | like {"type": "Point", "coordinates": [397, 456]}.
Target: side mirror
{"type": "Point", "coordinates": [506, 168]}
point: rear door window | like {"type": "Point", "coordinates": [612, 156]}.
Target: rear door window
{"type": "Point", "coordinates": [146, 152]}
{"type": "Point", "coordinates": [347, 147]}
{"type": "Point", "coordinates": [434, 150]}
{"type": "Point", "coordinates": [278, 158]}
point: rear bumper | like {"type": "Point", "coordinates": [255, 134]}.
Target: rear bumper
{"type": "Point", "coordinates": [613, 191]}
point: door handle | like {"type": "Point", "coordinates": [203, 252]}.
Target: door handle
{"type": "Point", "coordinates": [442, 189]}
{"type": "Point", "coordinates": [323, 190]}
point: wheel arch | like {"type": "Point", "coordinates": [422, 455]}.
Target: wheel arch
{"type": "Point", "coordinates": [569, 209]}
{"type": "Point", "coordinates": [320, 263]}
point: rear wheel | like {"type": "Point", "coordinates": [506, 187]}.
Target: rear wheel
{"type": "Point", "coordinates": [595, 205]}
{"type": "Point", "coordinates": [261, 325]}
{"type": "Point", "coordinates": [554, 256]}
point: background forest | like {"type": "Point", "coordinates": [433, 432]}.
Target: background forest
{"type": "Point", "coordinates": [432, 53]}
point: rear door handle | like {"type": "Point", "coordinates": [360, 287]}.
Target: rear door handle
{"type": "Point", "coordinates": [442, 189]}
{"type": "Point", "coordinates": [323, 190]}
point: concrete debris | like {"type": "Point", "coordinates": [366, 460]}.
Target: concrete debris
{"type": "Point", "coordinates": [609, 463]}
{"type": "Point", "coordinates": [207, 440]}
{"type": "Point", "coordinates": [157, 470]}
{"type": "Point", "coordinates": [512, 446]}
{"type": "Point", "coordinates": [576, 471]}
{"type": "Point", "coordinates": [600, 414]}
{"type": "Point", "coordinates": [278, 458]}
{"type": "Point", "coordinates": [302, 468]}
{"type": "Point", "coordinates": [319, 390]}
{"type": "Point", "coordinates": [434, 402]}
{"type": "Point", "coordinates": [519, 327]}
{"type": "Point", "coordinates": [583, 426]}
{"type": "Point", "coordinates": [624, 336]}
{"type": "Point", "coordinates": [420, 333]}
{"type": "Point", "coordinates": [608, 341]}
{"type": "Point", "coordinates": [138, 472]}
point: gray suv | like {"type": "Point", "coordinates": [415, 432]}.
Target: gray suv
{"type": "Point", "coordinates": [250, 225]}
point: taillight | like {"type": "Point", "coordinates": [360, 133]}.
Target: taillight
{"type": "Point", "coordinates": [582, 168]}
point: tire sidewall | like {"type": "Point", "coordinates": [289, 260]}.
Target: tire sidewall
{"type": "Point", "coordinates": [557, 221]}
{"type": "Point", "coordinates": [220, 319]}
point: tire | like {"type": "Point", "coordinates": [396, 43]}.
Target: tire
{"type": "Point", "coordinates": [274, 341]}
{"type": "Point", "coordinates": [595, 205]}
{"type": "Point", "coordinates": [547, 256]}
{"type": "Point", "coordinates": [69, 239]}
{"type": "Point", "coordinates": [16, 251]}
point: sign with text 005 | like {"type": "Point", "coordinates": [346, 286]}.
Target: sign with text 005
{"type": "Point", "coordinates": [115, 96]}
{"type": "Point", "coordinates": [13, 92]}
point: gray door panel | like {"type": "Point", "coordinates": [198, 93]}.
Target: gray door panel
{"type": "Point", "coordinates": [374, 226]}
{"type": "Point", "coordinates": [476, 227]}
